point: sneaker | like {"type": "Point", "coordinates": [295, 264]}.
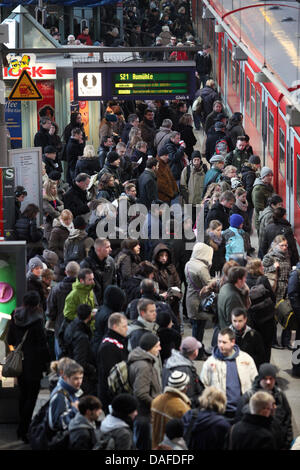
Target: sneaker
{"type": "Point", "coordinates": [277, 346]}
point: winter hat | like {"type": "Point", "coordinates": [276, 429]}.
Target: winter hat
{"type": "Point", "coordinates": [54, 175]}
{"type": "Point", "coordinates": [216, 159]}
{"type": "Point", "coordinates": [50, 257]}
{"type": "Point", "coordinates": [196, 154]}
{"type": "Point", "coordinates": [163, 319]}
{"type": "Point", "coordinates": [220, 116]}
{"type": "Point", "coordinates": [266, 370]}
{"type": "Point", "coordinates": [35, 263]}
{"type": "Point", "coordinates": [265, 171]}
{"type": "Point", "coordinates": [79, 222]}
{"type": "Point", "coordinates": [236, 220]}
{"type": "Point", "coordinates": [165, 28]}
{"type": "Point", "coordinates": [50, 149]}
{"type": "Point", "coordinates": [219, 125]}
{"type": "Point", "coordinates": [178, 380]}
{"type": "Point", "coordinates": [236, 183]}
{"type": "Point", "coordinates": [190, 344]}
{"type": "Point", "coordinates": [111, 117]}
{"type": "Point", "coordinates": [174, 428]}
{"type": "Point", "coordinates": [112, 156]}
{"type": "Point", "coordinates": [163, 151]}
{"type": "Point", "coordinates": [124, 404]}
{"type": "Point", "coordinates": [148, 341]}
{"type": "Point", "coordinates": [254, 159]}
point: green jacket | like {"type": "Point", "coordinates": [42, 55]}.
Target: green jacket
{"type": "Point", "coordinates": [80, 294]}
{"type": "Point", "coordinates": [260, 195]}
{"type": "Point", "coordinates": [229, 298]}
{"type": "Point", "coordinates": [236, 158]}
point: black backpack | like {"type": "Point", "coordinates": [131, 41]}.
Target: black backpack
{"type": "Point", "coordinates": [262, 306]}
{"type": "Point", "coordinates": [41, 436]}
{"type": "Point", "coordinates": [74, 251]}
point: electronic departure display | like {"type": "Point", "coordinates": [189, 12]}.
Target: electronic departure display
{"type": "Point", "coordinates": [141, 81]}
{"type": "Point", "coordinates": [150, 83]}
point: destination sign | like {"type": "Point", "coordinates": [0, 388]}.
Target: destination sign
{"type": "Point", "coordinates": [171, 83]}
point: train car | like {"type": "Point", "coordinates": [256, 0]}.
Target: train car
{"type": "Point", "coordinates": [248, 37]}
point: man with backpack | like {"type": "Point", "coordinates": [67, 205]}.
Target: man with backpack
{"type": "Point", "coordinates": [214, 173]}
{"type": "Point", "coordinates": [83, 432]}
{"type": "Point", "coordinates": [239, 156]}
{"type": "Point", "coordinates": [78, 243]}
{"type": "Point", "coordinates": [192, 180]}
{"type": "Point", "coordinates": [217, 142]}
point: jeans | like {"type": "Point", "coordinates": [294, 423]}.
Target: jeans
{"type": "Point", "coordinates": [142, 433]}
{"type": "Point", "coordinates": [198, 327]}
{"type": "Point", "coordinates": [57, 349]}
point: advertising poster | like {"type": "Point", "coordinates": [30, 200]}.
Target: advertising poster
{"type": "Point", "coordinates": [13, 119]}
{"type": "Point", "coordinates": [46, 106]}
{"type": "Point", "coordinates": [82, 107]}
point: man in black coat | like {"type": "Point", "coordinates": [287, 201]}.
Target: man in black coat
{"type": "Point", "coordinates": [247, 339]}
{"type": "Point", "coordinates": [147, 183]}
{"type": "Point", "coordinates": [132, 121]}
{"type": "Point", "coordinates": [203, 65]}
{"type": "Point", "coordinates": [102, 265]}
{"type": "Point", "coordinates": [56, 300]}
{"type": "Point", "coordinates": [175, 148]}
{"type": "Point", "coordinates": [74, 149]}
{"type": "Point", "coordinates": [266, 381]}
{"type": "Point", "coordinates": [112, 166]}
{"type": "Point", "coordinates": [218, 136]}
{"type": "Point", "coordinates": [105, 147]}
{"type": "Point", "coordinates": [221, 210]}
{"type": "Point", "coordinates": [51, 161]}
{"type": "Point", "coordinates": [77, 341]}
{"type": "Point", "coordinates": [113, 349]}
{"type": "Point", "coordinates": [75, 199]}
{"type": "Point", "coordinates": [42, 138]}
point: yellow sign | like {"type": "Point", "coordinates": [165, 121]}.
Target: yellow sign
{"type": "Point", "coordinates": [25, 89]}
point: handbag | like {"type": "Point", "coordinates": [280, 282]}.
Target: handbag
{"type": "Point", "coordinates": [284, 314]}
{"type": "Point", "coordinates": [13, 365]}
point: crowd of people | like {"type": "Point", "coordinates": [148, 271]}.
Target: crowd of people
{"type": "Point", "coordinates": [115, 277]}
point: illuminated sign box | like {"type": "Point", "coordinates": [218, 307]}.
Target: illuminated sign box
{"type": "Point", "coordinates": [37, 70]}
{"type": "Point", "coordinates": [136, 81]}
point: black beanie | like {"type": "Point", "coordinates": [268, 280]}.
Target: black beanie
{"type": "Point", "coordinates": [267, 370]}
{"type": "Point", "coordinates": [148, 340]}
{"type": "Point", "coordinates": [112, 156]}
{"type": "Point", "coordinates": [124, 404]}
{"type": "Point", "coordinates": [163, 319]}
{"type": "Point", "coordinates": [174, 428]}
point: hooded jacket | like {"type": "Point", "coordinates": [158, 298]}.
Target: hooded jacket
{"type": "Point", "coordinates": [265, 218]}
{"type": "Point", "coordinates": [209, 430]}
{"type": "Point", "coordinates": [58, 236]}
{"type": "Point", "coordinates": [144, 379]}
{"type": "Point", "coordinates": [83, 434]}
{"type": "Point", "coordinates": [218, 212]}
{"type": "Point", "coordinates": [249, 175]}
{"type": "Point", "coordinates": [166, 275]}
{"type": "Point", "coordinates": [197, 276]}
{"type": "Point", "coordinates": [148, 189]}
{"type": "Point", "coordinates": [56, 301]}
{"type": "Point", "coordinates": [260, 195]}
{"type": "Point", "coordinates": [80, 294]}
{"type": "Point", "coordinates": [119, 430]}
{"type": "Point", "coordinates": [183, 364]}
{"type": "Point", "coordinates": [192, 188]}
{"type": "Point", "coordinates": [35, 347]}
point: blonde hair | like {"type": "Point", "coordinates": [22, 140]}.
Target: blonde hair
{"type": "Point", "coordinates": [259, 401]}
{"type": "Point", "coordinates": [210, 83]}
{"type": "Point", "coordinates": [48, 186]}
{"type": "Point", "coordinates": [239, 191]}
{"type": "Point", "coordinates": [228, 169]}
{"type": "Point", "coordinates": [211, 189]}
{"type": "Point", "coordinates": [213, 224]}
{"type": "Point", "coordinates": [65, 214]}
{"type": "Point", "coordinates": [213, 399]}
{"type": "Point", "coordinates": [89, 151]}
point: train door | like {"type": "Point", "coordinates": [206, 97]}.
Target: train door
{"type": "Point", "coordinates": [242, 88]}
{"type": "Point", "coordinates": [290, 174]}
{"type": "Point", "coordinates": [296, 186]}
{"type": "Point", "coordinates": [225, 68]}
{"type": "Point", "coordinates": [264, 123]}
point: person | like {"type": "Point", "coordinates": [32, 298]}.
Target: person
{"type": "Point", "coordinates": [56, 300]}
{"type": "Point", "coordinates": [120, 421]}
{"type": "Point", "coordinates": [84, 37]}
{"type": "Point", "coordinates": [77, 343]}
{"type": "Point", "coordinates": [266, 381]}
{"type": "Point", "coordinates": [144, 372]}
{"type": "Point", "coordinates": [237, 157]}
{"type": "Point", "coordinates": [146, 322]}
{"type": "Point", "coordinates": [241, 207]}
{"type": "Point", "coordinates": [266, 217]}
{"type": "Point", "coordinates": [231, 295]}
{"type": "Point", "coordinates": [52, 207]}
{"type": "Point", "coordinates": [105, 147]}
{"type": "Point", "coordinates": [197, 276]}
{"type": "Point", "coordinates": [168, 334]}
{"type": "Point", "coordinates": [210, 427]}
{"type": "Point", "coordinates": [132, 122]}
{"type": "Point", "coordinates": [34, 279]}
{"type": "Point", "coordinates": [176, 150]}
{"type": "Point", "coordinates": [147, 183]}
{"type": "Point", "coordinates": [126, 165]}
{"type": "Point", "coordinates": [43, 137]}
{"type": "Point", "coordinates": [172, 403]}
{"type": "Point", "coordinates": [227, 178]}
{"type": "Point", "coordinates": [20, 194]}
{"type": "Point", "coordinates": [138, 155]}
{"type": "Point", "coordinates": [192, 180]}
{"type": "Point", "coordinates": [78, 243]}
{"type": "Point", "coordinates": [81, 293]}
{"type": "Point", "coordinates": [75, 122]}
{"type": "Point", "coordinates": [185, 127]}
{"type": "Point", "coordinates": [61, 229]}
{"type": "Point", "coordinates": [88, 163]}
{"type": "Point", "coordinates": [229, 369]}
{"type": "Point", "coordinates": [183, 361]}
{"type": "Point", "coordinates": [235, 127]}
{"type": "Point", "coordinates": [235, 237]}
{"type": "Point", "coordinates": [145, 270]}
{"type": "Point", "coordinates": [180, 108]}
{"type": "Point", "coordinates": [74, 149]}
{"type": "Point", "coordinates": [209, 95]}
{"type": "Point", "coordinates": [111, 350]}
{"type": "Point", "coordinates": [114, 300]}
{"type": "Point", "coordinates": [247, 339]}
{"type": "Point", "coordinates": [166, 184]}
{"type": "Point", "coordinates": [112, 166]}
{"type": "Point", "coordinates": [213, 237]}
{"type": "Point", "coordinates": [250, 171]}
{"type": "Point", "coordinates": [76, 198]}
{"type": "Point", "coordinates": [63, 405]}
{"type": "Point", "coordinates": [216, 111]}
{"type": "Point", "coordinates": [102, 265]}
{"type": "Point", "coordinates": [29, 319]}
{"type": "Point", "coordinates": [163, 134]}
{"type": "Point", "coordinates": [173, 438]}
{"type": "Point", "coordinates": [254, 431]}
{"type": "Point", "coordinates": [280, 226]}
{"type": "Point", "coordinates": [203, 65]}
{"type": "Point", "coordinates": [26, 229]}
{"type": "Point", "coordinates": [261, 192]}
{"type": "Point", "coordinates": [165, 275]}
{"type": "Point", "coordinates": [50, 159]}
{"type": "Point", "coordinates": [293, 291]}
{"type": "Point", "coordinates": [107, 188]}
{"type": "Point", "coordinates": [217, 141]}
{"type": "Point", "coordinates": [221, 210]}
{"type": "Point", "coordinates": [261, 314]}
{"type": "Point", "coordinates": [148, 129]}
{"type": "Point", "coordinates": [127, 260]}
{"type": "Point", "coordinates": [83, 432]}
{"type": "Point", "coordinates": [214, 173]}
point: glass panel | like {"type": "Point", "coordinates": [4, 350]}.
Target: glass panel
{"type": "Point", "coordinates": [252, 103]}
{"type": "Point", "coordinates": [33, 37]}
{"type": "Point", "coordinates": [229, 65]}
{"type": "Point", "coordinates": [271, 134]}
{"type": "Point", "coordinates": [257, 119]}
{"type": "Point", "coordinates": [281, 152]}
{"type": "Point", "coordinates": [248, 96]}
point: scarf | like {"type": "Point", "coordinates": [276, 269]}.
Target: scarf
{"type": "Point", "coordinates": [217, 240]}
{"type": "Point", "coordinates": [243, 206]}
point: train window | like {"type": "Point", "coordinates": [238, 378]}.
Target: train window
{"type": "Point", "coordinates": [257, 116]}
{"type": "Point", "coordinates": [229, 65]}
{"type": "Point", "coordinates": [248, 96]}
{"type": "Point", "coordinates": [298, 179]}
{"type": "Point", "coordinates": [233, 74]}
{"type": "Point", "coordinates": [237, 74]}
{"type": "Point", "coordinates": [271, 134]}
{"type": "Point", "coordinates": [252, 103]}
{"type": "Point", "coordinates": [281, 152]}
